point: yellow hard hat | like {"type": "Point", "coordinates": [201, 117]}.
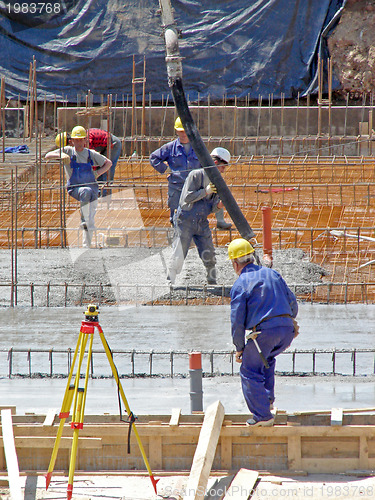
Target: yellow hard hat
{"type": "Point", "coordinates": [178, 125]}
{"type": "Point", "coordinates": [61, 140]}
{"type": "Point", "coordinates": [239, 248]}
{"type": "Point", "coordinates": [78, 132]}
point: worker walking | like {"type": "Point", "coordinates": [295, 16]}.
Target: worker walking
{"type": "Point", "coordinates": [98, 141]}
{"type": "Point", "coordinates": [179, 157]}
{"type": "Point", "coordinates": [261, 303]}
{"type": "Point", "coordinates": [198, 199]}
{"type": "Point", "coordinates": [79, 164]}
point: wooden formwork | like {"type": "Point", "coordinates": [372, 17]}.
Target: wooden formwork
{"type": "Point", "coordinates": [310, 443]}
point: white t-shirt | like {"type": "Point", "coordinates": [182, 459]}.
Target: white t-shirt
{"type": "Point", "coordinates": [83, 157]}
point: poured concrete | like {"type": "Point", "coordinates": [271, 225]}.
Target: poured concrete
{"type": "Point", "coordinates": [165, 328]}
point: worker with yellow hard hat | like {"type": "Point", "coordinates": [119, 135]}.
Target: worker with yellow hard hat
{"type": "Point", "coordinates": [179, 157]}
{"type": "Point", "coordinates": [79, 164]}
{"type": "Point", "coordinates": [103, 142]}
{"type": "Point", "coordinates": [262, 304]}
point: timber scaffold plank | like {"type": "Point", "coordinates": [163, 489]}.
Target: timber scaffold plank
{"type": "Point", "coordinates": [297, 442]}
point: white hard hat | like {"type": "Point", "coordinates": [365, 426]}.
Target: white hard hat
{"type": "Point", "coordinates": [221, 153]}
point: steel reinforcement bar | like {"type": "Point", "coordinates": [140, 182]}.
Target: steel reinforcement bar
{"type": "Point", "coordinates": [41, 294]}
{"type": "Point", "coordinates": [215, 363]}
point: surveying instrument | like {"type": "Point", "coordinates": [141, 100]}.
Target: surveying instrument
{"type": "Point", "coordinates": [77, 395]}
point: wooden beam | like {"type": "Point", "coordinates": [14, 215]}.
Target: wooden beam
{"type": "Point", "coordinates": [294, 452]}
{"type": "Point", "coordinates": [155, 453]}
{"type": "Point", "coordinates": [175, 417]}
{"type": "Point", "coordinates": [336, 416]}
{"type": "Point", "coordinates": [205, 452]}
{"type": "Point", "coordinates": [226, 452]}
{"type": "Point", "coordinates": [39, 442]}
{"type": "Point", "coordinates": [242, 485]}
{"type": "Point", "coordinates": [8, 407]}
{"type": "Point", "coordinates": [50, 417]}
{"type": "Point", "coordinates": [11, 455]}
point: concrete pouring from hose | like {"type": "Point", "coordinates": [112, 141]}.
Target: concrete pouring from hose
{"type": "Point", "coordinates": [174, 70]}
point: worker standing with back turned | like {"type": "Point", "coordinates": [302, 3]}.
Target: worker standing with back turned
{"type": "Point", "coordinates": [179, 156]}
{"type": "Point", "coordinates": [261, 303]}
{"type": "Point", "coordinates": [79, 163]}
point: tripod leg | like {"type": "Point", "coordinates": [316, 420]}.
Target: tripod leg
{"type": "Point", "coordinates": [64, 413]}
{"type": "Point", "coordinates": [126, 404]}
{"type": "Point", "coordinates": [77, 419]}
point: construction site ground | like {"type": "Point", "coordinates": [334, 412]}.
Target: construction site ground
{"type": "Point", "coordinates": [321, 206]}
{"type": "Point", "coordinates": [137, 487]}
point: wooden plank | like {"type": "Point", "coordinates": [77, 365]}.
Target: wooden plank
{"type": "Point", "coordinates": [50, 417]}
{"type": "Point", "coordinates": [155, 453]}
{"type": "Point", "coordinates": [226, 452]}
{"type": "Point", "coordinates": [175, 417]}
{"type": "Point", "coordinates": [48, 442]}
{"type": "Point", "coordinates": [336, 416]}
{"type": "Point", "coordinates": [363, 453]}
{"type": "Point", "coordinates": [205, 452]}
{"type": "Point", "coordinates": [11, 455]}
{"type": "Point", "coordinates": [294, 452]}
{"type": "Point", "coordinates": [242, 485]}
{"type": "Point", "coordinates": [8, 407]}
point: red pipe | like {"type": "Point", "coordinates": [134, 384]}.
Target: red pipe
{"type": "Point", "coordinates": [267, 236]}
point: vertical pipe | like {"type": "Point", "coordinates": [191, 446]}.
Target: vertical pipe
{"type": "Point", "coordinates": [143, 123]}
{"type": "Point", "coordinates": [195, 371]}
{"type": "Point", "coordinates": [15, 237]}
{"type": "Point", "coordinates": [12, 240]}
{"type": "Point", "coordinates": [267, 236]}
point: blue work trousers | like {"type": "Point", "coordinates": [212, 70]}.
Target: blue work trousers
{"type": "Point", "coordinates": [258, 382]}
{"type": "Point", "coordinates": [190, 227]}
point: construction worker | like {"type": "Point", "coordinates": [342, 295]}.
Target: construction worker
{"type": "Point", "coordinates": [179, 156]}
{"type": "Point", "coordinates": [98, 141]}
{"type": "Point", "coordinates": [261, 303]}
{"type": "Point", "coordinates": [198, 199]}
{"type": "Point", "coordinates": [79, 164]}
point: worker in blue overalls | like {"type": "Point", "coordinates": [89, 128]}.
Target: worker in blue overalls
{"type": "Point", "coordinates": [180, 158]}
{"type": "Point", "coordinates": [261, 303]}
{"type": "Point", "coordinates": [79, 164]}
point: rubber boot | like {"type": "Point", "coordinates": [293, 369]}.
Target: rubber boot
{"type": "Point", "coordinates": [211, 275]}
{"type": "Point", "coordinates": [220, 221]}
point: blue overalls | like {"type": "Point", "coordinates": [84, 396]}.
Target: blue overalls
{"type": "Point", "coordinates": [180, 163]}
{"type": "Point", "coordinates": [82, 186]}
{"type": "Point", "coordinates": [261, 299]}
{"type": "Point", "coordinates": [193, 225]}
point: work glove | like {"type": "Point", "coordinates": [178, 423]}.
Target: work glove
{"type": "Point", "coordinates": [65, 158]}
{"type": "Point", "coordinates": [211, 189]}
{"type": "Point", "coordinates": [296, 327]}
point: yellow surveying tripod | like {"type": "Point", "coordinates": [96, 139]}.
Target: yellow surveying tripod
{"type": "Point", "coordinates": [78, 394]}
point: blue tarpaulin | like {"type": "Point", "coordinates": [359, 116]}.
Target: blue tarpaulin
{"type": "Point", "coordinates": [229, 47]}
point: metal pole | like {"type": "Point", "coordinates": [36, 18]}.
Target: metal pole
{"type": "Point", "coordinates": [195, 372]}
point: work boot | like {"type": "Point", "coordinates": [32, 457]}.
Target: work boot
{"type": "Point", "coordinates": [211, 276]}
{"type": "Point", "coordinates": [86, 239]}
{"type": "Point", "coordinates": [220, 221]}
{"type": "Point", "coordinates": [260, 423]}
{"type": "Point", "coordinates": [171, 276]}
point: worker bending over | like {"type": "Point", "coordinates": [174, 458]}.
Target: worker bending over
{"type": "Point", "coordinates": [179, 156]}
{"type": "Point", "coordinates": [79, 164]}
{"type": "Point", "coordinates": [98, 141]}
{"type": "Point", "coordinates": [261, 302]}
{"type": "Point", "coordinates": [198, 199]}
